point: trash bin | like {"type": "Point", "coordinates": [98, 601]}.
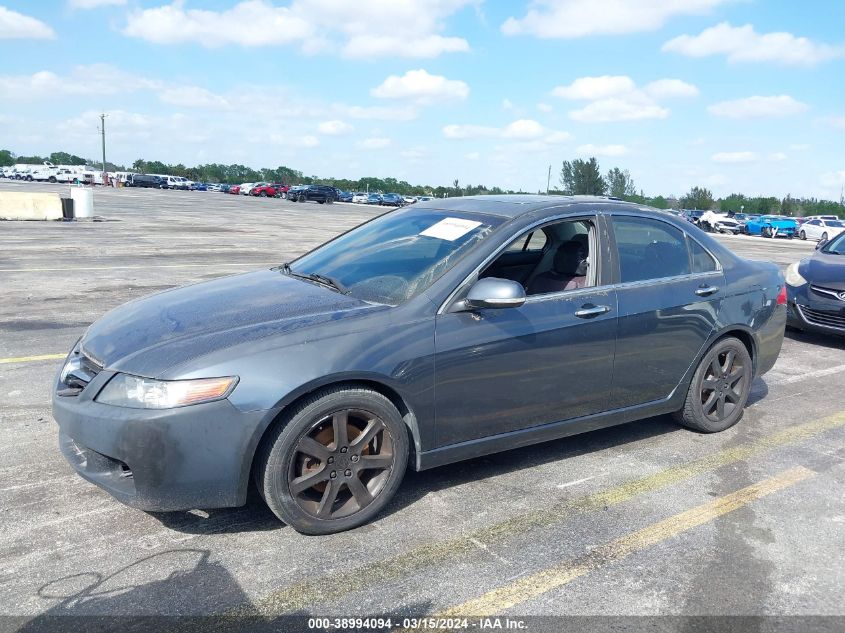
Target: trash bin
{"type": "Point", "coordinates": [67, 209]}
{"type": "Point", "coordinates": [83, 202]}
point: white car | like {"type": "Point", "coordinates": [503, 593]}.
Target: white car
{"type": "Point", "coordinates": [819, 229]}
{"type": "Point", "coordinates": [247, 187]}
{"type": "Point", "coordinates": [360, 198]}
{"type": "Point", "coordinates": [409, 199]}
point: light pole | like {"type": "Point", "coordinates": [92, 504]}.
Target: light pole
{"type": "Point", "coordinates": [103, 134]}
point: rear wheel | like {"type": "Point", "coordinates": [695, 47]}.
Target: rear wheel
{"type": "Point", "coordinates": [719, 388]}
{"type": "Point", "coordinates": [336, 463]}
{"type": "Point", "coordinates": [802, 235]}
{"type": "Point", "coordinates": [263, 194]}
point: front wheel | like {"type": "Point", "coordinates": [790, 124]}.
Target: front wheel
{"type": "Point", "coordinates": [802, 235]}
{"type": "Point", "coordinates": [719, 388]}
{"type": "Point", "coordinates": [263, 194]}
{"type": "Point", "coordinates": [336, 463]}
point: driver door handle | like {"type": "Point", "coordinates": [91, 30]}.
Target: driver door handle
{"type": "Point", "coordinates": [588, 311]}
{"type": "Point", "coordinates": [706, 291]}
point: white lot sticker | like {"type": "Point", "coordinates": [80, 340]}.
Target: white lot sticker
{"type": "Point", "coordinates": [450, 229]}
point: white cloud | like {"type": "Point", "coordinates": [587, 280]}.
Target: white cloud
{"type": "Point", "coordinates": [580, 18]}
{"type": "Point", "coordinates": [668, 88]}
{"type": "Point", "coordinates": [192, 97]}
{"type": "Point", "coordinates": [602, 150]}
{"type": "Point", "coordinates": [96, 79]}
{"type": "Point", "coordinates": [777, 156]}
{"type": "Point", "coordinates": [833, 178]}
{"type": "Point", "coordinates": [836, 122]}
{"type": "Point", "coordinates": [363, 29]}
{"type": "Point", "coordinates": [617, 98]}
{"type": "Point", "coordinates": [593, 88]}
{"type": "Point", "coordinates": [421, 87]}
{"type": "Point", "coordinates": [608, 110]}
{"type": "Point", "coordinates": [377, 113]}
{"type": "Point", "coordinates": [734, 157]}
{"type": "Point", "coordinates": [375, 143]}
{"type": "Point", "coordinates": [94, 4]}
{"type": "Point", "coordinates": [758, 107]}
{"type": "Point", "coordinates": [334, 128]}
{"type": "Point", "coordinates": [17, 26]}
{"type": "Point", "coordinates": [544, 107]}
{"type": "Point", "coordinates": [744, 44]}
{"type": "Point", "coordinates": [520, 130]}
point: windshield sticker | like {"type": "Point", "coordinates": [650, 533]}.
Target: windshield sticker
{"type": "Point", "coordinates": [450, 229]}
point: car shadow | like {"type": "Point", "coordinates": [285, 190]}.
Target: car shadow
{"type": "Point", "coordinates": [816, 339]}
{"type": "Point", "coordinates": [256, 517]}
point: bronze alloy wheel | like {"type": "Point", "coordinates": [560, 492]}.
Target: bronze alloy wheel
{"type": "Point", "coordinates": [341, 464]}
{"type": "Point", "coordinates": [724, 385]}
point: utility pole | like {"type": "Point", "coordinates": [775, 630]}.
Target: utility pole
{"type": "Point", "coordinates": [103, 133]}
{"type": "Point", "coordinates": [548, 180]}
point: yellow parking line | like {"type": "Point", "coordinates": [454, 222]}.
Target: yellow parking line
{"type": "Point", "coordinates": [146, 267]}
{"type": "Point", "coordinates": [529, 587]}
{"type": "Point", "coordinates": [301, 595]}
{"type": "Point", "coordinates": [30, 359]}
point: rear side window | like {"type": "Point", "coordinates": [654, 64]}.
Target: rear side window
{"type": "Point", "coordinates": [649, 249]}
{"type": "Point", "coordinates": [702, 261]}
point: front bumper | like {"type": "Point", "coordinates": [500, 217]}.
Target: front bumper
{"type": "Point", "coordinates": [814, 312]}
{"type": "Point", "coordinates": [157, 460]}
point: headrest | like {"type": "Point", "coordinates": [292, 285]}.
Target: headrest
{"type": "Point", "coordinates": [571, 259]}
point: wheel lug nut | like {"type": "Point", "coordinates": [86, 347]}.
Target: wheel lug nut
{"type": "Point", "coordinates": [348, 473]}
{"type": "Point", "coordinates": [330, 460]}
{"type": "Point", "coordinates": [344, 449]}
{"type": "Point", "coordinates": [333, 474]}
{"type": "Point", "coordinates": [355, 458]}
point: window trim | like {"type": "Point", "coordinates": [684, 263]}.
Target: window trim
{"type": "Point", "coordinates": [593, 218]}
{"type": "Point", "coordinates": [691, 275]}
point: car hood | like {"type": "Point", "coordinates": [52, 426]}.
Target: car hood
{"type": "Point", "coordinates": [151, 335]}
{"type": "Point", "coordinates": [825, 270]}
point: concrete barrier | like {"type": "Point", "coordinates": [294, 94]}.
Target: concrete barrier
{"type": "Point", "coordinates": [15, 205]}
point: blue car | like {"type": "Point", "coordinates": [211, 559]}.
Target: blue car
{"type": "Point", "coordinates": [344, 196]}
{"type": "Point", "coordinates": [772, 226]}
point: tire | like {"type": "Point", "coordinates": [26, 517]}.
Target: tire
{"type": "Point", "coordinates": [824, 237]}
{"type": "Point", "coordinates": [263, 194]}
{"type": "Point", "coordinates": [333, 463]}
{"type": "Point", "coordinates": [711, 391]}
{"type": "Point", "coordinates": [52, 179]}
{"type": "Point", "coordinates": [300, 198]}
{"type": "Point", "coordinates": [321, 201]}
{"type": "Point", "coordinates": [802, 235]}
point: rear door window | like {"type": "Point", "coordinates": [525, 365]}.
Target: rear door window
{"type": "Point", "coordinates": [649, 249]}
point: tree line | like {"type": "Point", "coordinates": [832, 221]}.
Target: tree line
{"type": "Point", "coordinates": [577, 177]}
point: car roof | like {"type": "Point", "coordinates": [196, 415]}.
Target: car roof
{"type": "Point", "coordinates": [515, 205]}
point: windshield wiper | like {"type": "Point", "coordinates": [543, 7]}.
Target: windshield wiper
{"type": "Point", "coordinates": [323, 280]}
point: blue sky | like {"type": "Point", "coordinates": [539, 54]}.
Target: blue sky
{"type": "Point", "coordinates": [734, 95]}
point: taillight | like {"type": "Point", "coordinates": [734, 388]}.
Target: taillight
{"type": "Point", "coordinates": [782, 296]}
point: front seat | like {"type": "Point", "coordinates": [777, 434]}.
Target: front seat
{"type": "Point", "coordinates": [569, 271]}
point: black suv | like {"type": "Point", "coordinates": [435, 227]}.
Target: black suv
{"type": "Point", "coordinates": [317, 193]}
{"type": "Point", "coordinates": [146, 180]}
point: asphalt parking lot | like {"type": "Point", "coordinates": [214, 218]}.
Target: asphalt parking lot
{"type": "Point", "coordinates": [642, 519]}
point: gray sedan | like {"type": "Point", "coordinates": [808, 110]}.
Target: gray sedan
{"type": "Point", "coordinates": [440, 332]}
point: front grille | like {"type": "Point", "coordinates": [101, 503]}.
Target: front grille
{"type": "Point", "coordinates": [828, 292]}
{"type": "Point", "coordinates": [79, 371]}
{"type": "Point", "coordinates": [823, 317]}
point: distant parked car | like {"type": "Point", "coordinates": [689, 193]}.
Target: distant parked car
{"type": "Point", "coordinates": [374, 198]}
{"type": "Point", "coordinates": [816, 289]}
{"type": "Point", "coordinates": [148, 181]}
{"type": "Point", "coordinates": [692, 215]}
{"type": "Point", "coordinates": [234, 189]}
{"type": "Point", "coordinates": [344, 196]}
{"type": "Point", "coordinates": [360, 197]}
{"type": "Point", "coordinates": [424, 198]}
{"type": "Point", "coordinates": [314, 193]}
{"type": "Point", "coordinates": [772, 226]}
{"type": "Point", "coordinates": [392, 200]}
{"type": "Point", "coordinates": [821, 230]}
{"type": "Point", "coordinates": [216, 186]}
{"type": "Point", "coordinates": [410, 199]}
{"type": "Point", "coordinates": [713, 222]}
{"type": "Point", "coordinates": [199, 186]}
{"type": "Point", "coordinates": [822, 217]}
{"type": "Point", "coordinates": [246, 187]}
{"type": "Point", "coordinates": [263, 190]}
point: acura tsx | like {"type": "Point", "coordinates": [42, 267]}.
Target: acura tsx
{"type": "Point", "coordinates": [431, 334]}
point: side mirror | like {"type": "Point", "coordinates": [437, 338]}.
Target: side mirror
{"type": "Point", "coordinates": [821, 244]}
{"type": "Point", "coordinates": [492, 292]}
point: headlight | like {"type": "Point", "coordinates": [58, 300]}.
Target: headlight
{"type": "Point", "coordinates": [125, 390]}
{"type": "Point", "coordinates": [793, 277]}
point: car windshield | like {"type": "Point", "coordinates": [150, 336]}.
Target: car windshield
{"type": "Point", "coordinates": [836, 246]}
{"type": "Point", "coordinates": [835, 223]}
{"type": "Point", "coordinates": [398, 255]}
